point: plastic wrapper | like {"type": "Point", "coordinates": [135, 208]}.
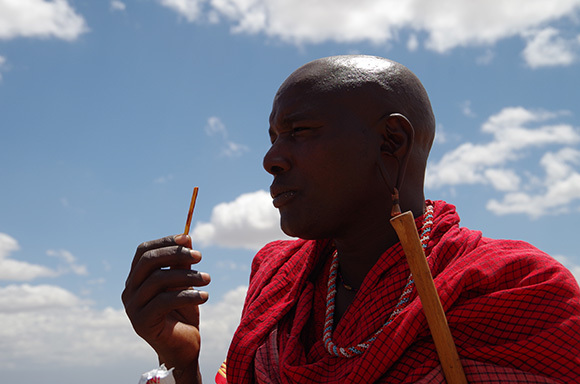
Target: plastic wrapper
{"type": "Point", "coordinates": [159, 375]}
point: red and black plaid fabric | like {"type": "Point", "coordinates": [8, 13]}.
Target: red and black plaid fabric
{"type": "Point", "coordinates": [514, 313]}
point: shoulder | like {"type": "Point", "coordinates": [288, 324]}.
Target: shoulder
{"type": "Point", "coordinates": [277, 269]}
{"type": "Point", "coordinates": [276, 253]}
{"type": "Point", "coordinates": [513, 264]}
{"type": "Point", "coordinates": [280, 257]}
{"type": "Point", "coordinates": [514, 253]}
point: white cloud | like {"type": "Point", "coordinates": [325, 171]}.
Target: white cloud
{"type": "Point", "coordinates": [561, 188]}
{"type": "Point", "coordinates": [413, 43]}
{"type": "Point", "coordinates": [8, 244]}
{"type": "Point", "coordinates": [2, 65]}
{"type": "Point", "coordinates": [190, 9]}
{"type": "Point", "coordinates": [513, 138]}
{"type": "Point", "coordinates": [118, 5]}
{"type": "Point", "coordinates": [440, 134]}
{"type": "Point", "coordinates": [24, 298]}
{"type": "Point", "coordinates": [486, 58]}
{"type": "Point", "coordinates": [461, 23]}
{"type": "Point", "coordinates": [163, 179]}
{"type": "Point", "coordinates": [15, 270]}
{"type": "Point", "coordinates": [54, 331]}
{"type": "Point", "coordinates": [40, 18]}
{"type": "Point", "coordinates": [232, 149]}
{"type": "Point", "coordinates": [215, 127]}
{"type": "Point", "coordinates": [546, 48]}
{"type": "Point", "coordinates": [466, 108]}
{"type": "Point", "coordinates": [231, 265]}
{"type": "Point", "coordinates": [447, 25]}
{"type": "Point", "coordinates": [574, 268]}
{"type": "Point", "coordinates": [70, 261]}
{"type": "Point", "coordinates": [48, 328]}
{"type": "Point", "coordinates": [249, 222]}
{"type": "Point", "coordinates": [502, 179]}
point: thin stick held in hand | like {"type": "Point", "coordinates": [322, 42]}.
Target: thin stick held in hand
{"type": "Point", "coordinates": [190, 213]}
{"type": "Point", "coordinates": [404, 225]}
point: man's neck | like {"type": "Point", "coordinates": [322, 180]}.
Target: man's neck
{"type": "Point", "coordinates": [358, 254]}
{"type": "Point", "coordinates": [360, 250]}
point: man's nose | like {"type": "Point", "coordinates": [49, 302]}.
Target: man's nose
{"type": "Point", "coordinates": [276, 160]}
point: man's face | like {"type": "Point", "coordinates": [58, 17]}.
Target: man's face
{"type": "Point", "coordinates": [323, 159]}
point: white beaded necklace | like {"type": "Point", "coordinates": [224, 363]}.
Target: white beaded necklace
{"type": "Point", "coordinates": [332, 348]}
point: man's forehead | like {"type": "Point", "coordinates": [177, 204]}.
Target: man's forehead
{"type": "Point", "coordinates": [329, 85]}
{"type": "Point", "coordinates": [308, 96]}
{"type": "Point", "coordinates": [296, 103]}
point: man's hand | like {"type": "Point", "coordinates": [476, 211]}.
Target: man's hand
{"type": "Point", "coordinates": [162, 303]}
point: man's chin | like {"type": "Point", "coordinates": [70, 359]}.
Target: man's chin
{"type": "Point", "coordinates": [301, 231]}
{"type": "Point", "coordinates": [291, 228]}
{"type": "Point", "coordinates": [288, 230]}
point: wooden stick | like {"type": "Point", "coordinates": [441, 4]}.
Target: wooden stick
{"type": "Point", "coordinates": [190, 213]}
{"type": "Point", "coordinates": [406, 229]}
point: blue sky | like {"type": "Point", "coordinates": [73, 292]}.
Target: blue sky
{"type": "Point", "coordinates": [112, 111]}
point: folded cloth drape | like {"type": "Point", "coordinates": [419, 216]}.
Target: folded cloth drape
{"type": "Point", "coordinates": [513, 310]}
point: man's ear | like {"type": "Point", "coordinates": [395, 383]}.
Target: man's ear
{"type": "Point", "coordinates": [397, 135]}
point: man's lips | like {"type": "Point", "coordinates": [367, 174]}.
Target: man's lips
{"type": "Point", "coordinates": [281, 195]}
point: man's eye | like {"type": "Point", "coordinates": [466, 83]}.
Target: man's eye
{"type": "Point", "coordinates": [298, 130]}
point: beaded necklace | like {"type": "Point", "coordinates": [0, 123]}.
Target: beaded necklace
{"type": "Point", "coordinates": [332, 348]}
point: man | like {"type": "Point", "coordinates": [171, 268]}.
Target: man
{"type": "Point", "coordinates": [339, 305]}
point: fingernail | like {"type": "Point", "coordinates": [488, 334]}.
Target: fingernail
{"type": "Point", "coordinates": [205, 277]}
{"type": "Point", "coordinates": [179, 238]}
{"type": "Point", "coordinates": [204, 295]}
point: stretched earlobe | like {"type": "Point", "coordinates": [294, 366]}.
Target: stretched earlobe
{"type": "Point", "coordinates": [398, 137]}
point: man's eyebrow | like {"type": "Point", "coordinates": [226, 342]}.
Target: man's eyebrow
{"type": "Point", "coordinates": [297, 116]}
{"type": "Point", "coordinates": [290, 118]}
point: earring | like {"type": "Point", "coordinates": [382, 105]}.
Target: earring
{"type": "Point", "coordinates": [396, 210]}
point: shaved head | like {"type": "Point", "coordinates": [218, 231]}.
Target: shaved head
{"type": "Point", "coordinates": [383, 85]}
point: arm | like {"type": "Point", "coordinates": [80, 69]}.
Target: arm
{"type": "Point", "coordinates": [162, 303]}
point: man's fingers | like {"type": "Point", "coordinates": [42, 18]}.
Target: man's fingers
{"type": "Point", "coordinates": [158, 308]}
{"type": "Point", "coordinates": [183, 240]}
{"type": "Point", "coordinates": [164, 280]}
{"type": "Point", "coordinates": [157, 258]}
{"type": "Point", "coordinates": [150, 320]}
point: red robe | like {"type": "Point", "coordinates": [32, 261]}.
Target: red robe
{"type": "Point", "coordinates": [514, 313]}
